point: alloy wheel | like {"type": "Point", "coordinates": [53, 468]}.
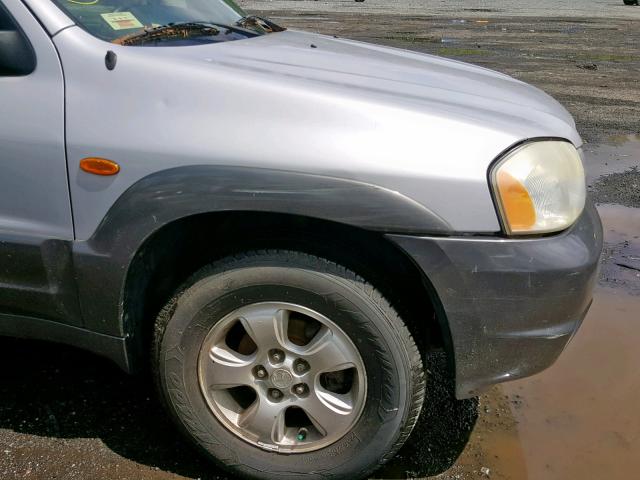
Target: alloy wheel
{"type": "Point", "coordinates": [282, 377]}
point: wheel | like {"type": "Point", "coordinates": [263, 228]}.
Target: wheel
{"type": "Point", "coordinates": [278, 363]}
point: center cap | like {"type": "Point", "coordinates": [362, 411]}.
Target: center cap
{"type": "Point", "coordinates": [281, 378]}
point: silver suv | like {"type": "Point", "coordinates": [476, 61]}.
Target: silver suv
{"type": "Point", "coordinates": [280, 225]}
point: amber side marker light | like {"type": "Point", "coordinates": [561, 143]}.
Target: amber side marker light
{"type": "Point", "coordinates": [99, 166]}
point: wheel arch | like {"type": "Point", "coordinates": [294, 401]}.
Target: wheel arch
{"type": "Point", "coordinates": [171, 209]}
{"type": "Point", "coordinates": [154, 274]}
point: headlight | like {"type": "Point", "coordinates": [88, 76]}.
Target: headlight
{"type": "Point", "coordinates": [540, 187]}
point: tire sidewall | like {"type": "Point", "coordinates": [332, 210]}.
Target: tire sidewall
{"type": "Point", "coordinates": [388, 367]}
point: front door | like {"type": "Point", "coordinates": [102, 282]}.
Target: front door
{"type": "Point", "coordinates": [35, 214]}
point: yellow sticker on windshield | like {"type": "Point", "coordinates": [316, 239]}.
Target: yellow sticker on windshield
{"type": "Point", "coordinates": [121, 20]}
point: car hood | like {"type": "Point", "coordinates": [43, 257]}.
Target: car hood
{"type": "Point", "coordinates": [427, 82]}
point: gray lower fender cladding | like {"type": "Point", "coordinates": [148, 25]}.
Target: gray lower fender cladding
{"type": "Point", "coordinates": [511, 304]}
{"type": "Point", "coordinates": [102, 262]}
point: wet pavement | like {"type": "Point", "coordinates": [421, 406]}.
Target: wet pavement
{"type": "Point", "coordinates": [66, 414]}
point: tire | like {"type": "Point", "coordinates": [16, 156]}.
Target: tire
{"type": "Point", "coordinates": [389, 398]}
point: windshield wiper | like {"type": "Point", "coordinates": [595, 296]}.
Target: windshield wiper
{"type": "Point", "coordinates": [170, 30]}
{"type": "Point", "coordinates": [253, 21]}
{"type": "Point", "coordinates": [250, 23]}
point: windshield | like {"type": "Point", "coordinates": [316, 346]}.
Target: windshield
{"type": "Point", "coordinates": [120, 20]}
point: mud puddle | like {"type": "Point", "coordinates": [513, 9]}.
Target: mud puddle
{"type": "Point", "coordinates": [621, 256]}
{"type": "Point", "coordinates": [613, 177]}
{"type": "Point", "coordinates": [613, 170]}
{"type": "Point", "coordinates": [619, 154]}
{"type": "Point", "coordinates": [579, 419]}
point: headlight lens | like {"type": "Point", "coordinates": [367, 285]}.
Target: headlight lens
{"type": "Point", "coordinates": [540, 187]}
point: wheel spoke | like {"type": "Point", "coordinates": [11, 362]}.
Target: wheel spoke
{"type": "Point", "coordinates": [263, 419]}
{"type": "Point", "coordinates": [328, 411]}
{"type": "Point", "coordinates": [227, 368]}
{"type": "Point", "coordinates": [327, 353]}
{"type": "Point", "coordinates": [266, 326]}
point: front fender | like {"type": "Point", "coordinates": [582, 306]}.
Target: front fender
{"type": "Point", "coordinates": [159, 199]}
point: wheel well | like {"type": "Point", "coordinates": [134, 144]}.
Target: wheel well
{"type": "Point", "coordinates": [171, 255]}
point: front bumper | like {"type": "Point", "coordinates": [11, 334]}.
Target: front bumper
{"type": "Point", "coordinates": [511, 305]}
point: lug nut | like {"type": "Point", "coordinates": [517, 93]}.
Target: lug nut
{"type": "Point", "coordinates": [300, 389]}
{"type": "Point", "coordinates": [301, 366]}
{"type": "Point", "coordinates": [261, 372]}
{"type": "Point", "coordinates": [277, 356]}
{"type": "Point", "coordinates": [275, 394]}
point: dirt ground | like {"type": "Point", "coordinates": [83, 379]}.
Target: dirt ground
{"type": "Point", "coordinates": [65, 414]}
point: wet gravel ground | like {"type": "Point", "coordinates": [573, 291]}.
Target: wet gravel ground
{"type": "Point", "coordinates": [608, 189]}
{"type": "Point", "coordinates": [65, 414]}
{"type": "Point", "coordinates": [460, 8]}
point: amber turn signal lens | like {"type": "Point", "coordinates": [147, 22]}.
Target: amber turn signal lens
{"type": "Point", "coordinates": [99, 166]}
{"type": "Point", "coordinates": [516, 203]}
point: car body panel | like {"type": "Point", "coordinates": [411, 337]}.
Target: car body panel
{"type": "Point", "coordinates": [36, 228]}
{"type": "Point", "coordinates": [37, 278]}
{"type": "Point", "coordinates": [34, 193]}
{"type": "Point", "coordinates": [35, 328]}
{"type": "Point", "coordinates": [50, 16]}
{"type": "Point", "coordinates": [511, 304]}
{"type": "Point", "coordinates": [224, 105]}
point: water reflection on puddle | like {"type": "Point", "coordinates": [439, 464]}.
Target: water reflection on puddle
{"type": "Point", "coordinates": [619, 154]}
{"type": "Point", "coordinates": [580, 419]}
{"type": "Point", "coordinates": [621, 255]}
